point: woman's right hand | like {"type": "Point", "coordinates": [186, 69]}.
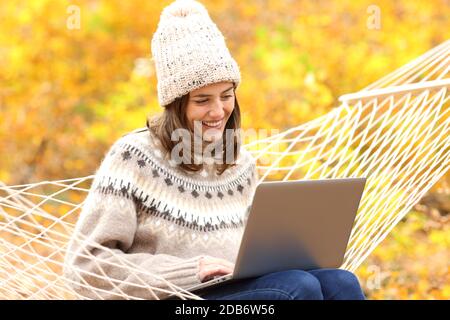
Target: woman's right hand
{"type": "Point", "coordinates": [210, 267]}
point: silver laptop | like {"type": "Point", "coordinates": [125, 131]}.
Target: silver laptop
{"type": "Point", "coordinates": [303, 224]}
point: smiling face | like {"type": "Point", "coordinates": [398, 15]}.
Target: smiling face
{"type": "Point", "coordinates": [209, 108]}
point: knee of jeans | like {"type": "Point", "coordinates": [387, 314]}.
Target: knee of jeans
{"type": "Point", "coordinates": [346, 279]}
{"type": "Point", "coordinates": [305, 285]}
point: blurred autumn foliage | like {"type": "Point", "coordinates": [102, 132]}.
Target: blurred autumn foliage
{"type": "Point", "coordinates": [67, 93]}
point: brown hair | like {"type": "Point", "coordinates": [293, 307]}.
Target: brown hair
{"type": "Point", "coordinates": [174, 117]}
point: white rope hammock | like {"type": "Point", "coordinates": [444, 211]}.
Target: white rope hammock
{"type": "Point", "coordinates": [395, 132]}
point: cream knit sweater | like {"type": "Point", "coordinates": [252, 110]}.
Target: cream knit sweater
{"type": "Point", "coordinates": [156, 218]}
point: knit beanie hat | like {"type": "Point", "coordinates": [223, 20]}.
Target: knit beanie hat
{"type": "Point", "coordinates": [189, 51]}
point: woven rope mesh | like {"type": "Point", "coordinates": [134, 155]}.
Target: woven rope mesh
{"type": "Point", "coordinates": [395, 132]}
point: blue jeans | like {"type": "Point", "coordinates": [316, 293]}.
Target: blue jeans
{"type": "Point", "coordinates": [319, 284]}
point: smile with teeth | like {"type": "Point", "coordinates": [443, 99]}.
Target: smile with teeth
{"type": "Point", "coordinates": [213, 124]}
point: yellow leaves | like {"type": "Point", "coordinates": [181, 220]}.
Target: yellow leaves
{"type": "Point", "coordinates": [24, 16]}
{"type": "Point", "coordinates": [299, 108]}
{"type": "Point", "coordinates": [82, 89]}
{"type": "Point", "coordinates": [100, 131]}
{"type": "Point", "coordinates": [417, 263]}
{"type": "Point", "coordinates": [247, 8]}
{"type": "Point", "coordinates": [16, 56]}
{"type": "Point", "coordinates": [4, 176]}
{"type": "Point", "coordinates": [76, 164]}
{"type": "Point", "coordinates": [445, 293]}
{"type": "Point", "coordinates": [440, 238]}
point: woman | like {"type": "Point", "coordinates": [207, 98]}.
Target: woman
{"type": "Point", "coordinates": [163, 211]}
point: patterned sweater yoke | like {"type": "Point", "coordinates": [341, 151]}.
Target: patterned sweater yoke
{"type": "Point", "coordinates": [144, 211]}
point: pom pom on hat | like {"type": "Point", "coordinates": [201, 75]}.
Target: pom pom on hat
{"type": "Point", "coordinates": [183, 8]}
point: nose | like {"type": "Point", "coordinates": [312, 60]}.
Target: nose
{"type": "Point", "coordinates": [217, 110]}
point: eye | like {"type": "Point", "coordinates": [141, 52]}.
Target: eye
{"type": "Point", "coordinates": [203, 101]}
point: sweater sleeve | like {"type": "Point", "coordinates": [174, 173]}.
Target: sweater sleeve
{"type": "Point", "coordinates": [97, 264]}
